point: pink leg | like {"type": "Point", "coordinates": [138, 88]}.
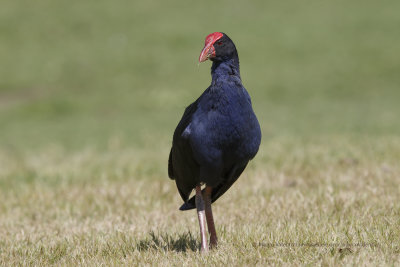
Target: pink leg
{"type": "Point", "coordinates": [201, 216]}
{"type": "Point", "coordinates": [209, 216]}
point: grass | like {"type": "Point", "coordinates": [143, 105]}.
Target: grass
{"type": "Point", "coordinates": [90, 93]}
{"type": "Point", "coordinates": [336, 203]}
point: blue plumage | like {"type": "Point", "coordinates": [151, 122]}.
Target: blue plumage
{"type": "Point", "coordinates": [218, 133]}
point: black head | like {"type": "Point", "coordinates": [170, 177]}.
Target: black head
{"type": "Point", "coordinates": [218, 47]}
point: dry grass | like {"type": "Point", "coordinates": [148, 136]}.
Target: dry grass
{"type": "Point", "coordinates": [327, 201]}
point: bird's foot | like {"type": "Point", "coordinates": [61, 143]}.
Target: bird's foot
{"type": "Point", "coordinates": [213, 242]}
{"type": "Point", "coordinates": [204, 248]}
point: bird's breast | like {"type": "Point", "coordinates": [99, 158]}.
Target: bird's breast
{"type": "Point", "coordinates": [229, 126]}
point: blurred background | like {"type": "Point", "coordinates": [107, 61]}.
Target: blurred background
{"type": "Point", "coordinates": [91, 92]}
{"type": "Point", "coordinates": [98, 74]}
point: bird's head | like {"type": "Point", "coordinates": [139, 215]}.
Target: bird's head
{"type": "Point", "coordinates": [218, 47]}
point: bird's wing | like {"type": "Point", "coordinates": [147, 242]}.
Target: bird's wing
{"type": "Point", "coordinates": [220, 189]}
{"type": "Point", "coordinates": [170, 166]}
{"type": "Point", "coordinates": [182, 167]}
{"type": "Point", "coordinates": [178, 139]}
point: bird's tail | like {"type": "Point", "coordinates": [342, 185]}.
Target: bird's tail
{"type": "Point", "coordinates": [188, 205]}
{"type": "Point", "coordinates": [219, 190]}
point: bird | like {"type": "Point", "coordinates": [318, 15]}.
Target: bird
{"type": "Point", "coordinates": [216, 137]}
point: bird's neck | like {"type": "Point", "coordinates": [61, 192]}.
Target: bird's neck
{"type": "Point", "coordinates": [227, 68]}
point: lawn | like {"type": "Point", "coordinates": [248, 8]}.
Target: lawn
{"type": "Point", "coordinates": [91, 91]}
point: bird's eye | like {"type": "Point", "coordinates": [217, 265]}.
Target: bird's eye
{"type": "Point", "coordinates": [219, 43]}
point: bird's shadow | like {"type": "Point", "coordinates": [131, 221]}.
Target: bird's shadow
{"type": "Point", "coordinates": [180, 242]}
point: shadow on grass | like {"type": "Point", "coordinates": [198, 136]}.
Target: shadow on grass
{"type": "Point", "coordinates": [180, 242]}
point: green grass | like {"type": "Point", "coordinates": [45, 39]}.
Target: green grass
{"type": "Point", "coordinates": [90, 93]}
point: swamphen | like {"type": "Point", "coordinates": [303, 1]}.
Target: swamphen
{"type": "Point", "coordinates": [216, 137]}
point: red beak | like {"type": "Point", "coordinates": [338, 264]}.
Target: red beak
{"type": "Point", "coordinates": [209, 50]}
